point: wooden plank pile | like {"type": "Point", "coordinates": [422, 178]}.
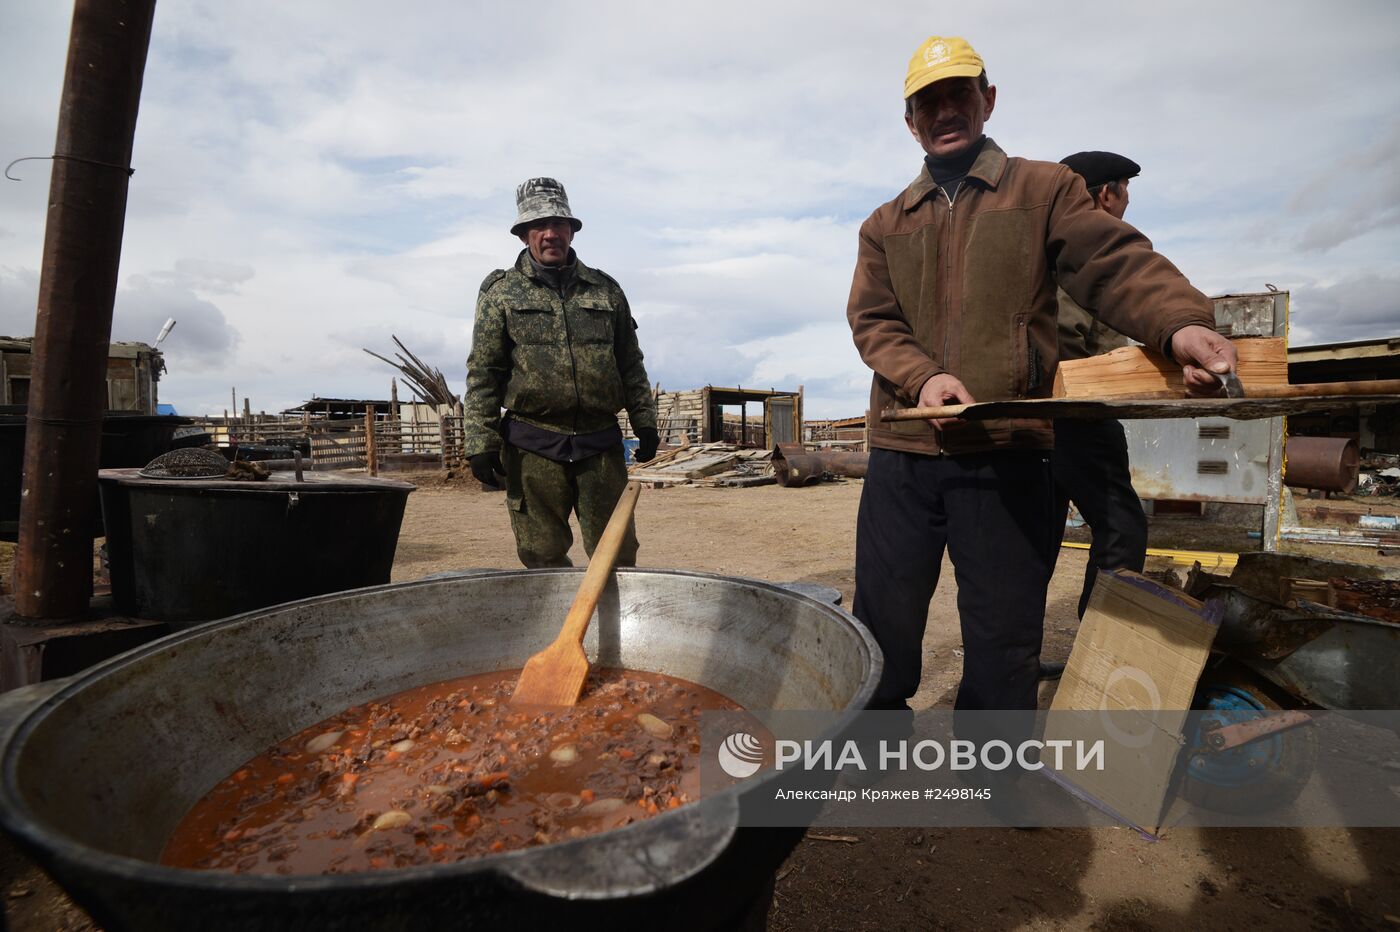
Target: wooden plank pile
{"type": "Point", "coordinates": [1136, 383]}
{"type": "Point", "coordinates": [1136, 372]}
{"type": "Point", "coordinates": [710, 464]}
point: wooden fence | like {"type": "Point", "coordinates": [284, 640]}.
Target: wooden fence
{"type": "Point", "coordinates": [340, 444]}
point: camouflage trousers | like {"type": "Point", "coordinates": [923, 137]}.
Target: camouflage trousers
{"type": "Point", "coordinates": [541, 493]}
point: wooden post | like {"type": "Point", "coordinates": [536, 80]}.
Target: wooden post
{"type": "Point", "coordinates": [370, 463]}
{"type": "Point", "coordinates": [442, 426]}
{"type": "Point", "coordinates": [394, 425]}
{"type": "Point", "coordinates": [459, 432]}
{"type": "Point", "coordinates": [797, 415]}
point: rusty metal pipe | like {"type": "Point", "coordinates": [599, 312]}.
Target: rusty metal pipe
{"type": "Point", "coordinates": [1329, 463]}
{"type": "Point", "coordinates": [1225, 737]}
{"type": "Point", "coordinates": [77, 286]}
{"type": "Point", "coordinates": [794, 465]}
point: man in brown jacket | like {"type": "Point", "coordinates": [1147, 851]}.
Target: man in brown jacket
{"type": "Point", "coordinates": [953, 300]}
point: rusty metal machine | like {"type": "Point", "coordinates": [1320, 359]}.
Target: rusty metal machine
{"type": "Point", "coordinates": [1297, 634]}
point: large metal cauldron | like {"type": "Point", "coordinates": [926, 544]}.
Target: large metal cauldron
{"type": "Point", "coordinates": [94, 777]}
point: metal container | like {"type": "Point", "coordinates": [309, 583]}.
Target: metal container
{"type": "Point", "coordinates": [94, 777]}
{"type": "Point", "coordinates": [1324, 656]}
{"type": "Point", "coordinates": [12, 428]}
{"type": "Point", "coordinates": [794, 465]}
{"type": "Point", "coordinates": [189, 550]}
{"type": "Point", "coordinates": [127, 440]}
{"type": "Point", "coordinates": [1328, 463]}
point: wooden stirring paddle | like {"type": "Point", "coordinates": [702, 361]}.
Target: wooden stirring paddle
{"type": "Point", "coordinates": [555, 675]}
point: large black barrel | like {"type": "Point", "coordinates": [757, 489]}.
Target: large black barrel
{"type": "Point", "coordinates": [127, 440]}
{"type": "Point", "coordinates": [189, 550]}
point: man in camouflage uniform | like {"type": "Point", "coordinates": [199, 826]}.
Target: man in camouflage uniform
{"type": "Point", "coordinates": [555, 344]}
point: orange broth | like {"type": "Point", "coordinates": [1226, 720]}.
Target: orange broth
{"type": "Point", "coordinates": [451, 771]}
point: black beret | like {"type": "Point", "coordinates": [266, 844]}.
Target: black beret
{"type": "Point", "coordinates": [1101, 167]}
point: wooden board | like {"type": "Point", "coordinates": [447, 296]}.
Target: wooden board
{"type": "Point", "coordinates": [1239, 409]}
{"type": "Point", "coordinates": [1135, 371]}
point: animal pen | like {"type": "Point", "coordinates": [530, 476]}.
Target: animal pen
{"type": "Point", "coordinates": [380, 436]}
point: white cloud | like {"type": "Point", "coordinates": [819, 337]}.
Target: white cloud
{"type": "Point", "coordinates": [322, 175]}
{"type": "Point", "coordinates": [202, 334]}
{"type": "Point", "coordinates": [19, 301]}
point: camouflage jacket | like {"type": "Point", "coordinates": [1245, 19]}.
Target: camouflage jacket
{"type": "Point", "coordinates": [565, 363]}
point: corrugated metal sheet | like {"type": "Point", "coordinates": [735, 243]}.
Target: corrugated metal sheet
{"type": "Point", "coordinates": [1214, 459]}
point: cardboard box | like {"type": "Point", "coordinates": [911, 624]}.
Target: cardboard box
{"type": "Point", "coordinates": [1129, 683]}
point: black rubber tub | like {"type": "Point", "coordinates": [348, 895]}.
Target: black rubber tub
{"type": "Point", "coordinates": [11, 474]}
{"type": "Point", "coordinates": [190, 550]}
{"type": "Point", "coordinates": [127, 440]}
{"type": "Point", "coordinates": [96, 771]}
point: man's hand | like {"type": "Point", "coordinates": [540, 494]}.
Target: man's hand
{"type": "Point", "coordinates": [488, 469]}
{"type": "Point", "coordinates": [943, 389]}
{"type": "Point", "coordinates": [1205, 355]}
{"type": "Point", "coordinates": [647, 441]}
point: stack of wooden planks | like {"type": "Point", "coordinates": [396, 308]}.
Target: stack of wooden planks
{"type": "Point", "coordinates": [1134, 372]}
{"type": "Point", "coordinates": [712, 464]}
{"type": "Point", "coordinates": [1136, 383]}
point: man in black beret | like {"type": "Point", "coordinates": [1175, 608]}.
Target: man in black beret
{"type": "Point", "coordinates": [1091, 457]}
{"type": "Point", "coordinates": [1106, 176]}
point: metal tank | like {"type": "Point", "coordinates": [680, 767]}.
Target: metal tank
{"type": "Point", "coordinates": [96, 771]}
{"type": "Point", "coordinates": [794, 465]}
{"type": "Point", "coordinates": [191, 550]}
{"type": "Point", "coordinates": [1328, 463]}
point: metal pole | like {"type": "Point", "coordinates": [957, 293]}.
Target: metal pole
{"type": "Point", "coordinates": [77, 285]}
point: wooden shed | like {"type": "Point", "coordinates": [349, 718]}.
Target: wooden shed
{"type": "Point", "coordinates": [743, 416]}
{"type": "Point", "coordinates": [133, 369]}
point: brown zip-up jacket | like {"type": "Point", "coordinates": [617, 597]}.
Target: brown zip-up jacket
{"type": "Point", "coordinates": [968, 288]}
{"type": "Point", "coordinates": [1082, 334]}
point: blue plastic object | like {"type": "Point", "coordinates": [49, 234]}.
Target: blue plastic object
{"type": "Point", "coordinates": [1239, 766]}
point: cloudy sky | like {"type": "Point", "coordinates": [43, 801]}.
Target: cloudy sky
{"type": "Point", "coordinates": [312, 177]}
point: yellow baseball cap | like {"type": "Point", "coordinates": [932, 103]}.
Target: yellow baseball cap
{"type": "Point", "coordinates": [938, 58]}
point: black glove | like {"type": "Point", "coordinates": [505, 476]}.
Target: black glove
{"type": "Point", "coordinates": [647, 442]}
{"type": "Point", "coordinates": [488, 469]}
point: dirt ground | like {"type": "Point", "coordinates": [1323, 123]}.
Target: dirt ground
{"type": "Point", "coordinates": [922, 878]}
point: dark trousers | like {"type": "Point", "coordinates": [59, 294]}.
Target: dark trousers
{"type": "Point", "coordinates": [1091, 470]}
{"type": "Point", "coordinates": [994, 512]}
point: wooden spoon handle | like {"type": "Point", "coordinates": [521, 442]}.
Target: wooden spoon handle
{"type": "Point", "coordinates": [1317, 389]}
{"type": "Point", "coordinates": [1301, 390]}
{"type": "Point", "coordinates": [600, 566]}
{"type": "Point", "coordinates": [923, 414]}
